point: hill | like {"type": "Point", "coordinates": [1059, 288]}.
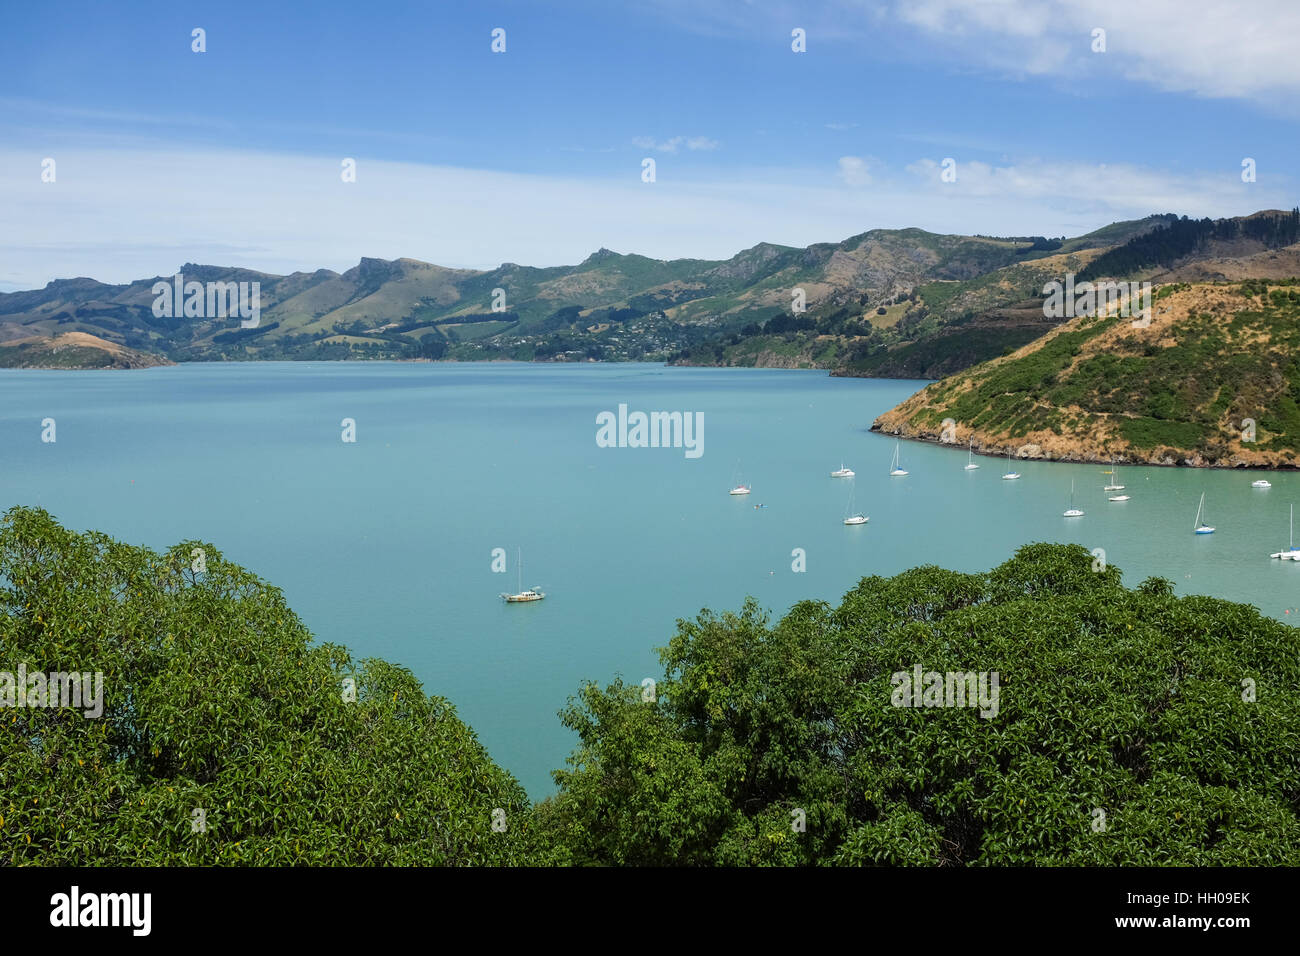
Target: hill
{"type": "Point", "coordinates": [1180, 391]}
{"type": "Point", "coordinates": [890, 303]}
{"type": "Point", "coordinates": [609, 307]}
{"type": "Point", "coordinates": [73, 350]}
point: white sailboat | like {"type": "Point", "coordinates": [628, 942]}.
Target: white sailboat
{"type": "Point", "coordinates": [1072, 511]}
{"type": "Point", "coordinates": [1114, 481]}
{"type": "Point", "coordinates": [851, 516]}
{"type": "Point", "coordinates": [842, 472]}
{"type": "Point", "coordinates": [970, 456]}
{"type": "Point", "coordinates": [738, 487]}
{"type": "Point", "coordinates": [1261, 483]}
{"type": "Point", "coordinates": [895, 469]}
{"type": "Point", "coordinates": [1011, 474]}
{"type": "Point", "coordinates": [1290, 554]}
{"type": "Point", "coordinates": [522, 596]}
{"type": "Point", "coordinates": [1200, 527]}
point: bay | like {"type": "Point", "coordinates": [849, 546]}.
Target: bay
{"type": "Point", "coordinates": [386, 544]}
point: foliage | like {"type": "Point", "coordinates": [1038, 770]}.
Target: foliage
{"type": "Point", "coordinates": [766, 743]}
{"type": "Point", "coordinates": [1128, 702]}
{"type": "Point", "coordinates": [1166, 244]}
{"type": "Point", "coordinates": [216, 699]}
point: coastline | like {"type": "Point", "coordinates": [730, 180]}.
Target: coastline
{"type": "Point", "coordinates": [1031, 450]}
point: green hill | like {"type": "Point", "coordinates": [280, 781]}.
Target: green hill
{"type": "Point", "coordinates": [1176, 392]}
{"type": "Point", "coordinates": [901, 303]}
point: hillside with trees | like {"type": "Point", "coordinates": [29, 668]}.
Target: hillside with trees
{"type": "Point", "coordinates": [846, 305]}
{"type": "Point", "coordinates": [1212, 380]}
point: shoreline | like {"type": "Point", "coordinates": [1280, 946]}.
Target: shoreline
{"type": "Point", "coordinates": [1087, 456]}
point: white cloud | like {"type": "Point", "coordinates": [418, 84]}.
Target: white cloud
{"type": "Point", "coordinates": [854, 171]}
{"type": "Point", "coordinates": [118, 215]}
{"type": "Point", "coordinates": [1114, 190]}
{"type": "Point", "coordinates": [693, 143]}
{"type": "Point", "coordinates": [1205, 47]}
{"type": "Point", "coordinates": [702, 142]}
{"type": "Point", "coordinates": [1212, 48]}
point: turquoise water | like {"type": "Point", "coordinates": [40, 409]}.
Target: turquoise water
{"type": "Point", "coordinates": [385, 545]}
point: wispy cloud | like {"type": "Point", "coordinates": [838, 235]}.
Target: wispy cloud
{"type": "Point", "coordinates": [117, 215]}
{"type": "Point", "coordinates": [693, 143]}
{"type": "Point", "coordinates": [1203, 47]}
{"type": "Point", "coordinates": [18, 106]}
{"type": "Point", "coordinates": [854, 170]}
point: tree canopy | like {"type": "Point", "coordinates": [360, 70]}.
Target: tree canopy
{"type": "Point", "coordinates": [1134, 728]}
{"type": "Point", "coordinates": [1131, 727]}
{"type": "Point", "coordinates": [215, 699]}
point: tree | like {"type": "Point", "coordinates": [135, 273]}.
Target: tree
{"type": "Point", "coordinates": [227, 736]}
{"type": "Point", "coordinates": [1133, 727]}
{"type": "Point", "coordinates": [1129, 726]}
{"type": "Point", "coordinates": [432, 346]}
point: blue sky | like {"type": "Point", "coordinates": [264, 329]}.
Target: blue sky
{"type": "Point", "coordinates": [469, 158]}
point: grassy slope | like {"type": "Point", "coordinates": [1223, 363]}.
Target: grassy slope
{"type": "Point", "coordinates": [1097, 387]}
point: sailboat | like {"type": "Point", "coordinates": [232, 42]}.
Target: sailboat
{"type": "Point", "coordinates": [1114, 482]}
{"type": "Point", "coordinates": [851, 516]}
{"type": "Point", "coordinates": [1199, 526]}
{"type": "Point", "coordinates": [1290, 554]}
{"type": "Point", "coordinates": [842, 472]}
{"type": "Point", "coordinates": [1072, 511]}
{"type": "Point", "coordinates": [895, 471]}
{"type": "Point", "coordinates": [970, 456]}
{"type": "Point", "coordinates": [522, 596]}
{"type": "Point", "coordinates": [738, 487]}
{"type": "Point", "coordinates": [1011, 474]}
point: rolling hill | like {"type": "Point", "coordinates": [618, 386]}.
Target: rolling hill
{"type": "Point", "coordinates": [1215, 358]}
{"type": "Point", "coordinates": [73, 350]}
{"type": "Point", "coordinates": [888, 303]}
{"type": "Point", "coordinates": [609, 306]}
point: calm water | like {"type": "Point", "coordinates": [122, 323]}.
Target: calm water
{"type": "Point", "coordinates": [386, 545]}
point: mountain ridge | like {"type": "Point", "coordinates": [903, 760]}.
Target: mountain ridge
{"type": "Point", "coordinates": [892, 303]}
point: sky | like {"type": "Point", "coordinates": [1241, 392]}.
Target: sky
{"type": "Point", "coordinates": [468, 158]}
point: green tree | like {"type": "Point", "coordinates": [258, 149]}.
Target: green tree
{"type": "Point", "coordinates": [216, 699]}
{"type": "Point", "coordinates": [1133, 728]}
